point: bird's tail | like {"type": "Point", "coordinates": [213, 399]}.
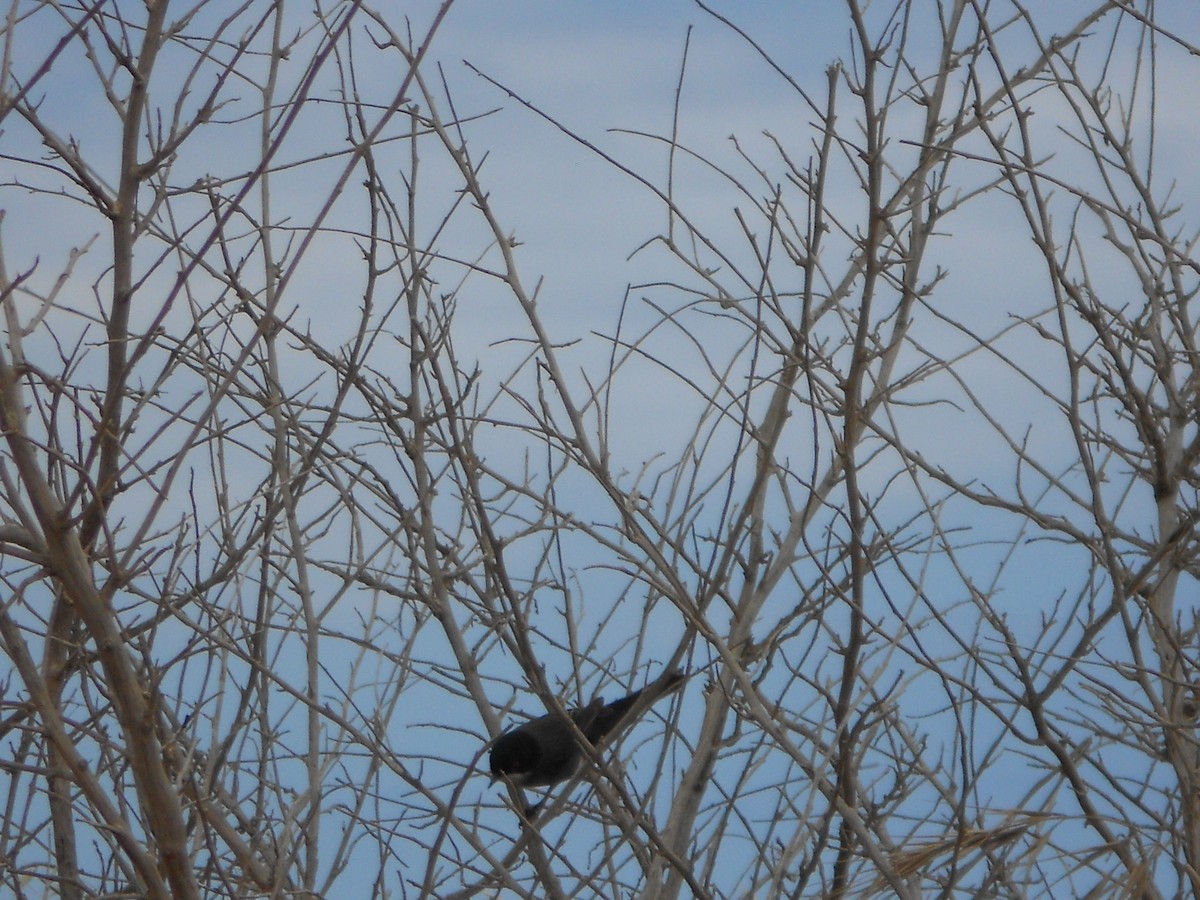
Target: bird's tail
{"type": "Point", "coordinates": [609, 716]}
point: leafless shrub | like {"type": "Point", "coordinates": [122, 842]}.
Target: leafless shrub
{"type": "Point", "coordinates": [290, 536]}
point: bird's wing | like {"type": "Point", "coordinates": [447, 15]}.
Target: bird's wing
{"type": "Point", "coordinates": [585, 717]}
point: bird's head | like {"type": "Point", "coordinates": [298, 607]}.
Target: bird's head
{"type": "Point", "coordinates": [515, 756]}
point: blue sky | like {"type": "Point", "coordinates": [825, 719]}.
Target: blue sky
{"type": "Point", "coordinates": [604, 70]}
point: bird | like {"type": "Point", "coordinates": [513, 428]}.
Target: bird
{"type": "Point", "coordinates": [544, 751]}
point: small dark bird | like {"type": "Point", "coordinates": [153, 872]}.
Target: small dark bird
{"type": "Point", "coordinates": [544, 751]}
